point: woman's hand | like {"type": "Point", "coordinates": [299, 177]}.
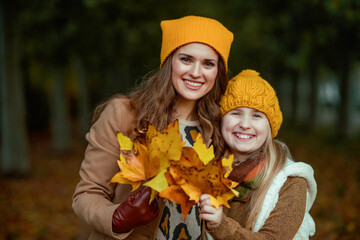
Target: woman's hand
{"type": "Point", "coordinates": [134, 211]}
{"type": "Point", "coordinates": [209, 213]}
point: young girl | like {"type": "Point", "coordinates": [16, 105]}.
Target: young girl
{"type": "Point", "coordinates": [188, 86]}
{"type": "Point", "coordinates": [276, 193]}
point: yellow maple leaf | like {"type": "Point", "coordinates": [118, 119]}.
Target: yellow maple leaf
{"type": "Point", "coordinates": [151, 132]}
{"type": "Point", "coordinates": [118, 178]}
{"type": "Point", "coordinates": [205, 154]}
{"type": "Point", "coordinates": [227, 163]}
{"type": "Point", "coordinates": [192, 191]}
{"type": "Point", "coordinates": [158, 183]}
{"type": "Point", "coordinates": [143, 158]}
{"type": "Point", "coordinates": [134, 167]}
{"type": "Point", "coordinates": [124, 141]}
{"type": "Point", "coordinates": [181, 174]}
{"type": "Point", "coordinates": [168, 142]}
{"type": "Point", "coordinates": [132, 170]}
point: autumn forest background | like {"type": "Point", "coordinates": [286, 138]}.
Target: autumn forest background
{"type": "Point", "coordinates": [60, 58]}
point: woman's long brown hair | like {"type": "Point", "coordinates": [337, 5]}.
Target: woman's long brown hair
{"type": "Point", "coordinates": [155, 98]}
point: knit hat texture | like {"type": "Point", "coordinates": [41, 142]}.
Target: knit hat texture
{"type": "Point", "coordinates": [248, 89]}
{"type": "Point", "coordinates": [179, 32]}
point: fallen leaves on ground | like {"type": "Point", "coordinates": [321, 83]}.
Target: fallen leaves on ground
{"type": "Point", "coordinates": [38, 206]}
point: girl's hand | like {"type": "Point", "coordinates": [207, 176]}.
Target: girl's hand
{"type": "Point", "coordinates": [209, 213]}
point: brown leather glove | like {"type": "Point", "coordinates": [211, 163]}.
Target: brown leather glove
{"type": "Point", "coordinates": [134, 211]}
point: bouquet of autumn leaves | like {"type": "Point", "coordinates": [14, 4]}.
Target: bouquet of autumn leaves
{"type": "Point", "coordinates": [160, 160]}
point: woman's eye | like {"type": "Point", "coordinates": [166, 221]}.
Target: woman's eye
{"type": "Point", "coordinates": [257, 115]}
{"type": "Point", "coordinates": [235, 113]}
{"type": "Point", "coordinates": [185, 59]}
{"type": "Point", "coordinates": [209, 64]}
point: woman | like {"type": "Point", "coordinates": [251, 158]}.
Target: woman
{"type": "Point", "coordinates": [188, 86]}
{"type": "Point", "coordinates": [276, 193]}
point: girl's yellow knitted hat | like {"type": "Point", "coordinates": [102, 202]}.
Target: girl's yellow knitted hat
{"type": "Point", "coordinates": [248, 89]}
{"type": "Point", "coordinates": [190, 29]}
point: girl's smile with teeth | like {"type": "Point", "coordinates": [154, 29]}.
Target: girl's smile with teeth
{"type": "Point", "coordinates": [245, 130]}
{"type": "Point", "coordinates": [243, 136]}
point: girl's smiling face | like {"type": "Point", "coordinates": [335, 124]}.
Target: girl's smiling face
{"type": "Point", "coordinates": [245, 130]}
{"type": "Point", "coordinates": [194, 70]}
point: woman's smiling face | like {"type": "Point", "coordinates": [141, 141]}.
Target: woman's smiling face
{"type": "Point", "coordinates": [245, 130]}
{"type": "Point", "coordinates": [194, 70]}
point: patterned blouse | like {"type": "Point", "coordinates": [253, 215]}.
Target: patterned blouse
{"type": "Point", "coordinates": [172, 226]}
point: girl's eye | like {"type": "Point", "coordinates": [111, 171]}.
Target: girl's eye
{"type": "Point", "coordinates": [257, 115]}
{"type": "Point", "coordinates": [235, 113]}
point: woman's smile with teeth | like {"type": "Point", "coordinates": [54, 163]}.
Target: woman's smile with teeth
{"type": "Point", "coordinates": [195, 84]}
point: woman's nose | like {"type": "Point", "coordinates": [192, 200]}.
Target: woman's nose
{"type": "Point", "coordinates": [196, 70]}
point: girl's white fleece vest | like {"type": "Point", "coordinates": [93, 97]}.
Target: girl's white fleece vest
{"type": "Point", "coordinates": [291, 169]}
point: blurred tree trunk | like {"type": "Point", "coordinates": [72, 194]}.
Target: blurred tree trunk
{"type": "Point", "coordinates": [294, 96]}
{"type": "Point", "coordinates": [15, 158]}
{"type": "Point", "coordinates": [60, 120]}
{"type": "Point", "coordinates": [83, 98]}
{"type": "Point", "coordinates": [343, 124]}
{"type": "Point", "coordinates": [354, 100]}
{"type": "Point", "coordinates": [313, 72]}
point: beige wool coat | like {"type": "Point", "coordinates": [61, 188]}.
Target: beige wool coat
{"type": "Point", "coordinates": [95, 199]}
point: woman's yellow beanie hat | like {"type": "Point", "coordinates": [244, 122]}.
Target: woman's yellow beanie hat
{"type": "Point", "coordinates": [248, 89]}
{"type": "Point", "coordinates": [179, 32]}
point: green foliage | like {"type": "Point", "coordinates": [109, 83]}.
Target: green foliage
{"type": "Point", "coordinates": [118, 42]}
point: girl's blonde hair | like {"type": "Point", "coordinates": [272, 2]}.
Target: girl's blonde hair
{"type": "Point", "coordinates": [275, 153]}
{"type": "Point", "coordinates": [248, 89]}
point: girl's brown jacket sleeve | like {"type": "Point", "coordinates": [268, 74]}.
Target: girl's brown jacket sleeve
{"type": "Point", "coordinates": [282, 223]}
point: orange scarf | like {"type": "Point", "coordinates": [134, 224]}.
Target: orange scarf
{"type": "Point", "coordinates": [247, 174]}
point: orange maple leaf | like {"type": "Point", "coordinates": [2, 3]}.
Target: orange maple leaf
{"type": "Point", "coordinates": [196, 174]}
{"type": "Point", "coordinates": [177, 173]}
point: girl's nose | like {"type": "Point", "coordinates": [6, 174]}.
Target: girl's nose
{"type": "Point", "coordinates": [244, 122]}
